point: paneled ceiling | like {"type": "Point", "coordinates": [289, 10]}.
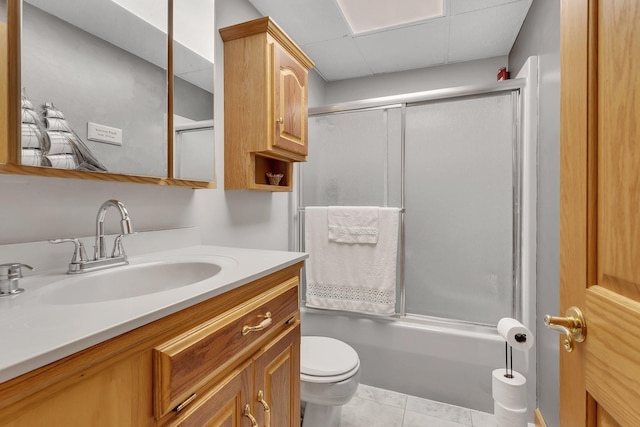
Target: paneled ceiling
{"type": "Point", "coordinates": [469, 30]}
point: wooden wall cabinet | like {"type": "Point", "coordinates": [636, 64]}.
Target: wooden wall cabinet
{"type": "Point", "coordinates": [192, 368]}
{"type": "Point", "coordinates": [265, 108]}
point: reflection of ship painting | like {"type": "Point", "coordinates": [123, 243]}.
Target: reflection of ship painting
{"type": "Point", "coordinates": [55, 144]}
{"type": "Point", "coordinates": [33, 136]}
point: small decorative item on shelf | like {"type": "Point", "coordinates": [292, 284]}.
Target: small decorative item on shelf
{"type": "Point", "coordinates": [274, 178]}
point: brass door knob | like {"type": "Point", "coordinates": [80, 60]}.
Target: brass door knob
{"type": "Point", "coordinates": [572, 326]}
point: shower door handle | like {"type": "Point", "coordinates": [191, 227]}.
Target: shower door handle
{"type": "Point", "coordinates": [572, 326]}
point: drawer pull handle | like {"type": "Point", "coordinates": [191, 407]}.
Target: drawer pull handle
{"type": "Point", "coordinates": [247, 413]}
{"type": "Point", "coordinates": [266, 322]}
{"type": "Point", "coordinates": [183, 405]}
{"type": "Point", "coordinates": [267, 410]}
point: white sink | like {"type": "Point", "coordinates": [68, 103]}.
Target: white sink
{"type": "Point", "coordinates": [129, 281]}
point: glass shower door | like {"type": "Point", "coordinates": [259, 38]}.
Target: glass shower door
{"type": "Point", "coordinates": [354, 159]}
{"type": "Point", "coordinates": [459, 200]}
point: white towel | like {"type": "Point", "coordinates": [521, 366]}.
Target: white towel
{"type": "Point", "coordinates": [353, 224]}
{"type": "Point", "coordinates": [351, 277]}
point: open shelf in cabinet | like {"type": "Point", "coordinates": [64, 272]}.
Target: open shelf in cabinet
{"type": "Point", "coordinates": [263, 164]}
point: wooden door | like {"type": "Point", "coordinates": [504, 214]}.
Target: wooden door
{"type": "Point", "coordinates": [290, 98]}
{"type": "Point", "coordinates": [277, 376]}
{"type": "Point", "coordinates": [600, 210]}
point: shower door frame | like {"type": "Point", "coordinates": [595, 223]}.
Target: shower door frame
{"type": "Point", "coordinates": [516, 88]}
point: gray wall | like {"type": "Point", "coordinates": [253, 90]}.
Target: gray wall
{"type": "Point", "coordinates": [540, 36]}
{"type": "Point", "coordinates": [91, 80]}
{"type": "Point", "coordinates": [191, 102]}
{"type": "Point", "coordinates": [450, 75]}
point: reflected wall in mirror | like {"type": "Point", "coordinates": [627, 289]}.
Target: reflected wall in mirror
{"type": "Point", "coordinates": [94, 75]}
{"type": "Point", "coordinates": [3, 77]}
{"type": "Point", "coordinates": [193, 89]}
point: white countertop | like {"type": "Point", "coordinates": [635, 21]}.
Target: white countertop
{"type": "Point", "coordinates": [37, 331]}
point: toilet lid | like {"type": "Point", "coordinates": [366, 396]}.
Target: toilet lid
{"type": "Point", "coordinates": [325, 357]}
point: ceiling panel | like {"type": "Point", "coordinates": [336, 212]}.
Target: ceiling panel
{"type": "Point", "coordinates": [469, 30]}
{"type": "Point", "coordinates": [338, 59]}
{"type": "Point", "coordinates": [464, 6]}
{"type": "Point", "coordinates": [406, 48]}
{"type": "Point", "coordinates": [306, 21]}
{"type": "Point", "coordinates": [486, 33]}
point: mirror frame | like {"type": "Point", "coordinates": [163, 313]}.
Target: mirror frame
{"type": "Point", "coordinates": [10, 105]}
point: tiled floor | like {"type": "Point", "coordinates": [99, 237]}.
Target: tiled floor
{"type": "Point", "coordinates": [374, 407]}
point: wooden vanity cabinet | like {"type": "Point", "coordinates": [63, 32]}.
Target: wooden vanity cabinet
{"type": "Point", "coordinates": [266, 90]}
{"type": "Point", "coordinates": [191, 368]}
{"type": "Point", "coordinates": [265, 390]}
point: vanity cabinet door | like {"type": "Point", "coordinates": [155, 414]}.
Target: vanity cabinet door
{"type": "Point", "coordinates": [186, 363]}
{"type": "Point", "coordinates": [277, 376]}
{"type": "Point", "coordinates": [222, 406]}
{"type": "Point", "coordinates": [116, 395]}
{"type": "Point", "coordinates": [290, 102]}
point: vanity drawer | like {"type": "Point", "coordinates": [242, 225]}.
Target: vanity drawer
{"type": "Point", "coordinates": [185, 363]}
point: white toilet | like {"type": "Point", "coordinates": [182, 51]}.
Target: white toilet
{"type": "Point", "coordinates": [329, 377]}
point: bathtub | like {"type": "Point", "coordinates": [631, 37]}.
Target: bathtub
{"type": "Point", "coordinates": [429, 358]}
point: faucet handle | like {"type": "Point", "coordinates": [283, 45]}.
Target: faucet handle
{"type": "Point", "coordinates": [118, 249]}
{"type": "Point", "coordinates": [79, 253]}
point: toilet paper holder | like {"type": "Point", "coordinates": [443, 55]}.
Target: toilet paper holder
{"type": "Point", "coordinates": [572, 326]}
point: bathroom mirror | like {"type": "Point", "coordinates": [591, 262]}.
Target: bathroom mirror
{"type": "Point", "coordinates": [193, 154]}
{"type": "Point", "coordinates": [95, 71]}
{"type": "Point", "coordinates": [96, 90]}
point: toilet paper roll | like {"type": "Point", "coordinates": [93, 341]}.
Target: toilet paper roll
{"type": "Point", "coordinates": [505, 417]}
{"type": "Point", "coordinates": [509, 392]}
{"type": "Point", "coordinates": [515, 334]}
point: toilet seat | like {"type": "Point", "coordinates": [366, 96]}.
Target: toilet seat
{"type": "Point", "coordinates": [327, 360]}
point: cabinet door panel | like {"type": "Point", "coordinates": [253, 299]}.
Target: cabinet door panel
{"type": "Point", "coordinates": [120, 395]}
{"type": "Point", "coordinates": [290, 93]}
{"type": "Point", "coordinates": [186, 362]}
{"type": "Point", "coordinates": [221, 406]}
{"type": "Point", "coordinates": [277, 374]}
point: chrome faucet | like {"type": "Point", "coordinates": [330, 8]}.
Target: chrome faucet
{"type": "Point", "coordinates": [125, 226]}
{"type": "Point", "coordinates": [79, 262]}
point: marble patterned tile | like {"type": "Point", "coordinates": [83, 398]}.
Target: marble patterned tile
{"type": "Point", "coordinates": [439, 410]}
{"type": "Point", "coordinates": [383, 396]}
{"type": "Point", "coordinates": [482, 419]}
{"type": "Point", "coordinates": [415, 419]}
{"type": "Point", "coordinates": [366, 413]}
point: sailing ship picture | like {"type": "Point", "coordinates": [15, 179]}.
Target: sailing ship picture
{"type": "Point", "coordinates": [48, 140]}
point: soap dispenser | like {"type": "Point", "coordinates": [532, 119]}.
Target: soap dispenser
{"type": "Point", "coordinates": [10, 275]}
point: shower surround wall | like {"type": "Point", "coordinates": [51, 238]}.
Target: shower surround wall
{"type": "Point", "coordinates": [430, 357]}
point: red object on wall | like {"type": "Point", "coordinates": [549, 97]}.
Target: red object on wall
{"type": "Point", "coordinates": [503, 74]}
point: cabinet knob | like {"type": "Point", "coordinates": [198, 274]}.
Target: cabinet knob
{"type": "Point", "coordinates": [267, 409]}
{"type": "Point", "coordinates": [281, 120]}
{"type": "Point", "coordinates": [184, 404]}
{"type": "Point", "coordinates": [266, 322]}
{"type": "Point", "coordinates": [247, 413]}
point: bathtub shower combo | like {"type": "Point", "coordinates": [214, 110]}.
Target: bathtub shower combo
{"type": "Point", "coordinates": [460, 164]}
